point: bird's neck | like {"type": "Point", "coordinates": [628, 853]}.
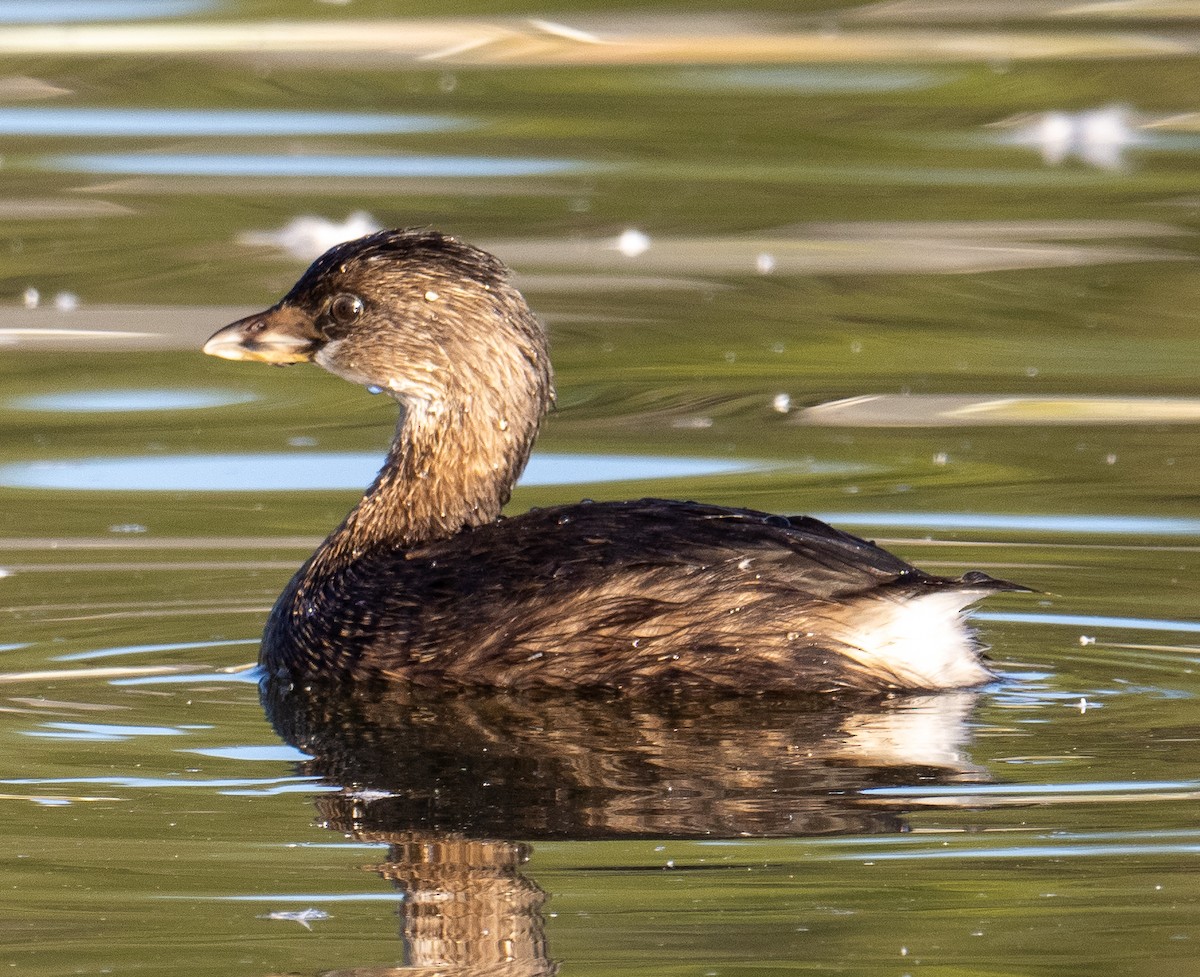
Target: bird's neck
{"type": "Point", "coordinates": [447, 468]}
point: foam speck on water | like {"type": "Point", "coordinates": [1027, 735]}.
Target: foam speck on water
{"type": "Point", "coordinates": [632, 243]}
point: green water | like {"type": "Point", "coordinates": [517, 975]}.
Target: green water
{"type": "Point", "coordinates": [880, 211]}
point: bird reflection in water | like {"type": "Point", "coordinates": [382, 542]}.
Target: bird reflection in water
{"type": "Point", "coordinates": [459, 786]}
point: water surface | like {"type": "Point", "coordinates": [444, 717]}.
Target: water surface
{"type": "Point", "coordinates": [928, 276]}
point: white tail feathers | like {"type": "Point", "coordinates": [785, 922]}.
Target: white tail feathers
{"type": "Point", "coordinates": [920, 642]}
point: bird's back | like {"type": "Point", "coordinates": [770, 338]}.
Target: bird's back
{"type": "Point", "coordinates": [634, 593]}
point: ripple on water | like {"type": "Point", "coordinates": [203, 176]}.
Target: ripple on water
{"type": "Point", "coordinates": [1086, 524]}
{"type": "Point", "coordinates": [815, 80]}
{"type": "Point", "coordinates": [344, 166]}
{"type": "Point", "coordinates": [1089, 621]}
{"type": "Point", "coordinates": [60, 11]}
{"type": "Point", "coordinates": [224, 785]}
{"type": "Point", "coordinates": [1151, 844]}
{"type": "Point", "coordinates": [149, 649]}
{"type": "Point", "coordinates": [86, 122]}
{"type": "Point", "coordinates": [114, 401]}
{"type": "Point", "coordinates": [99, 732]}
{"type": "Point", "coordinates": [334, 470]}
{"type": "Point", "coordinates": [975, 410]}
{"type": "Point", "coordinates": [253, 753]}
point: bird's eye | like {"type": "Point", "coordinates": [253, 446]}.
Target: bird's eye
{"type": "Point", "coordinates": [345, 308]}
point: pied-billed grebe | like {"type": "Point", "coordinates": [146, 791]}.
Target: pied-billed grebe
{"type": "Point", "coordinates": [425, 581]}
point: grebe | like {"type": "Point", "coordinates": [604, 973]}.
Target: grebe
{"type": "Point", "coordinates": [425, 581]}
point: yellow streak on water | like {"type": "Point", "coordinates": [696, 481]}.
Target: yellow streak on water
{"type": "Point", "coordinates": [1183, 122]}
{"type": "Point", "coordinates": [995, 11]}
{"type": "Point", "coordinates": [952, 410]}
{"type": "Point", "coordinates": [679, 40]}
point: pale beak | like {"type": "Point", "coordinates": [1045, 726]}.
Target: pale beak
{"type": "Point", "coordinates": [283, 334]}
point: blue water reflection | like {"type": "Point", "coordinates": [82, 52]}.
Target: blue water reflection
{"type": "Point", "coordinates": [1023, 790]}
{"type": "Point", "coordinates": [58, 11]}
{"type": "Point", "coordinates": [148, 649]}
{"type": "Point", "coordinates": [115, 401]}
{"type": "Point", "coordinates": [158, 783]}
{"type": "Point", "coordinates": [1043, 849]}
{"type": "Point", "coordinates": [323, 471]}
{"type": "Point", "coordinates": [99, 732]}
{"type": "Point", "coordinates": [304, 897]}
{"type": "Point", "coordinates": [274, 752]}
{"type": "Point", "coordinates": [1088, 621]}
{"type": "Point", "coordinates": [1085, 523]}
{"type": "Point", "coordinates": [244, 676]}
{"type": "Point", "coordinates": [86, 122]}
{"type": "Point", "coordinates": [277, 165]}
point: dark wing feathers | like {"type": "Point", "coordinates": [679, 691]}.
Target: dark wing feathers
{"type": "Point", "coordinates": [670, 543]}
{"type": "Point", "coordinates": [599, 593]}
{"type": "Point", "coordinates": [656, 532]}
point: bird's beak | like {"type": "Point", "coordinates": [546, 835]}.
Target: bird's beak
{"type": "Point", "coordinates": [283, 334]}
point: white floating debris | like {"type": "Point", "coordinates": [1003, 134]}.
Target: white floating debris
{"type": "Point", "coordinates": [127, 527]}
{"type": "Point", "coordinates": [66, 301]}
{"type": "Point", "coordinates": [941, 458]}
{"type": "Point", "coordinates": [308, 237]}
{"type": "Point", "coordinates": [368, 794]}
{"type": "Point", "coordinates": [1083, 704]}
{"type": "Point", "coordinates": [782, 403]}
{"type": "Point", "coordinates": [632, 242]}
{"type": "Point", "coordinates": [1053, 133]}
{"type": "Point", "coordinates": [765, 263]}
{"type": "Point", "coordinates": [305, 917]}
{"type": "Point", "coordinates": [1086, 639]}
{"type": "Point", "coordinates": [1098, 137]}
{"type": "Point", "coordinates": [31, 298]}
{"type": "Point", "coordinates": [1103, 136]}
